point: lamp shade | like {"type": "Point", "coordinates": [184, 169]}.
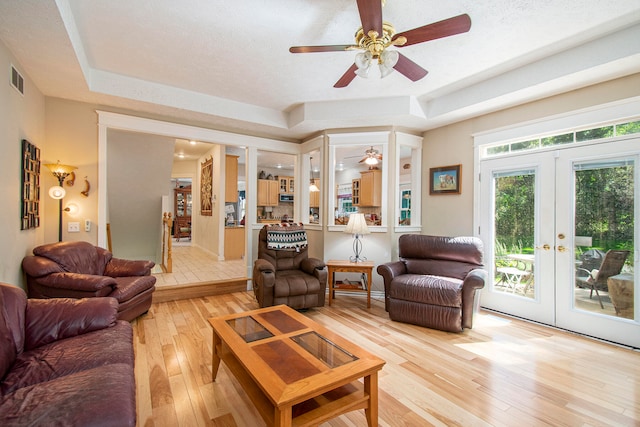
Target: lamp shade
{"type": "Point", "coordinates": [357, 224]}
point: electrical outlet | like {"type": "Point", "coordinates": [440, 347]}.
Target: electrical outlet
{"type": "Point", "coordinates": [87, 225]}
{"type": "Point", "coordinates": [73, 227]}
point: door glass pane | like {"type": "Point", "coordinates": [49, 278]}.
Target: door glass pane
{"type": "Point", "coordinates": [514, 224]}
{"type": "Point", "coordinates": [604, 231]}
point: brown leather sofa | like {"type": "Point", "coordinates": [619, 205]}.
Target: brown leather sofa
{"type": "Point", "coordinates": [434, 282]}
{"type": "Point", "coordinates": [64, 362]}
{"type": "Point", "coordinates": [82, 270]}
{"type": "Point", "coordinates": [288, 276]}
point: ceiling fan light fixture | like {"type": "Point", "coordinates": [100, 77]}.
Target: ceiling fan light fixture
{"type": "Point", "coordinates": [371, 161]}
{"type": "Point", "coordinates": [363, 62]}
{"type": "Point", "coordinates": [388, 59]}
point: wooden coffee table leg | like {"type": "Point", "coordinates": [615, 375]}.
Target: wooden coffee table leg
{"type": "Point", "coordinates": [215, 357]}
{"type": "Point", "coordinates": [371, 388]}
{"type": "Point", "coordinates": [282, 417]}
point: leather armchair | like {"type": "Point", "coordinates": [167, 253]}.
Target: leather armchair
{"type": "Point", "coordinates": [288, 276]}
{"type": "Point", "coordinates": [82, 270]}
{"type": "Point", "coordinates": [434, 282]}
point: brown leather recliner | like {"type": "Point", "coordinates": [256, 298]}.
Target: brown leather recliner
{"type": "Point", "coordinates": [82, 270]}
{"type": "Point", "coordinates": [288, 276]}
{"type": "Point", "coordinates": [435, 281]}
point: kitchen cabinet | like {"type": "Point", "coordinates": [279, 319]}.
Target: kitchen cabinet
{"type": "Point", "coordinates": [314, 196]}
{"type": "Point", "coordinates": [367, 191]}
{"type": "Point", "coordinates": [267, 192]}
{"type": "Point", "coordinates": [286, 184]}
{"type": "Point", "coordinates": [355, 192]}
{"type": "Point", "coordinates": [231, 179]}
{"type": "Point", "coordinates": [182, 212]}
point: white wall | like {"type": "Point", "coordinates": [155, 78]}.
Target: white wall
{"type": "Point", "coordinates": [21, 117]}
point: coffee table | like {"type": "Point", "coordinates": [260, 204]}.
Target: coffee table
{"type": "Point", "coordinates": [295, 371]}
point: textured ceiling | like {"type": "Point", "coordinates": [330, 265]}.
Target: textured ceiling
{"type": "Point", "coordinates": [226, 64]}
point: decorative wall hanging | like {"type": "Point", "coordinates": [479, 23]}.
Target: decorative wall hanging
{"type": "Point", "coordinates": [206, 187]}
{"type": "Point", "coordinates": [445, 180]}
{"type": "Point", "coordinates": [30, 186]}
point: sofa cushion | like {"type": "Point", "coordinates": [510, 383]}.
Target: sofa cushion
{"type": "Point", "coordinates": [427, 289]}
{"type": "Point", "coordinates": [71, 355]}
{"type": "Point", "coordinates": [102, 396]}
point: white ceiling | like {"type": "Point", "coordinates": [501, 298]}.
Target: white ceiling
{"type": "Point", "coordinates": [226, 64]}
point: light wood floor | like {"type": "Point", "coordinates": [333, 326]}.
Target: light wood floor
{"type": "Point", "coordinates": [504, 372]}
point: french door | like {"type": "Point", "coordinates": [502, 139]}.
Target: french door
{"type": "Point", "coordinates": [548, 220]}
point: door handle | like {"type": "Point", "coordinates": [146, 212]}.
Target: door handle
{"type": "Point", "coordinates": [562, 249]}
{"type": "Point", "coordinates": [546, 247]}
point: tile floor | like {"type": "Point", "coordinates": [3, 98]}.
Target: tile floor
{"type": "Point", "coordinates": [193, 265]}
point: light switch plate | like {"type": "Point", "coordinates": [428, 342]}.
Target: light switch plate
{"type": "Point", "coordinates": [73, 227]}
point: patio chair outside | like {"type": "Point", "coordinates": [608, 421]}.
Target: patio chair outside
{"type": "Point", "coordinates": [597, 279]}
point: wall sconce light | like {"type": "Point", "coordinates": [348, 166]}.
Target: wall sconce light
{"type": "Point", "coordinates": [57, 192]}
{"type": "Point", "coordinates": [72, 209]}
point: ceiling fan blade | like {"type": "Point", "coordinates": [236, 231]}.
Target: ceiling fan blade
{"type": "Point", "coordinates": [448, 27]}
{"type": "Point", "coordinates": [410, 69]}
{"type": "Point", "coordinates": [347, 77]}
{"type": "Point", "coordinates": [328, 48]}
{"type": "Point", "coordinates": [370, 15]}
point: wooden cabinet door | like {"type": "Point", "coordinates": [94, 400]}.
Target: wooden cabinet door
{"type": "Point", "coordinates": [267, 192]}
{"type": "Point", "coordinates": [231, 179]}
{"type": "Point", "coordinates": [370, 188]}
{"type": "Point", "coordinates": [355, 192]}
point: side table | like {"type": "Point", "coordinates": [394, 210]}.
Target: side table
{"type": "Point", "coordinates": [365, 268]}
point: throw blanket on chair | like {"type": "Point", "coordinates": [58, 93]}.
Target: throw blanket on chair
{"type": "Point", "coordinates": [290, 237]}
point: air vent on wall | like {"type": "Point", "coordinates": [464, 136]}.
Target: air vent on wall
{"type": "Point", "coordinates": [17, 81]}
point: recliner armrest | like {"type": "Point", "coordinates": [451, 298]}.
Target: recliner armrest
{"type": "Point", "coordinates": [308, 265]}
{"type": "Point", "coordinates": [262, 265]}
{"type": "Point", "coordinates": [390, 270]}
{"type": "Point", "coordinates": [49, 320]}
{"type": "Point", "coordinates": [118, 267]}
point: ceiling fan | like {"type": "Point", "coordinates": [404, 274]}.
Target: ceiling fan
{"type": "Point", "coordinates": [371, 157]}
{"type": "Point", "coordinates": [375, 36]}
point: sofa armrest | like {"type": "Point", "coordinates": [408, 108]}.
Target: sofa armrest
{"type": "Point", "coordinates": [77, 282]}
{"type": "Point", "coordinates": [37, 266]}
{"type": "Point", "coordinates": [119, 267]}
{"type": "Point", "coordinates": [470, 298]}
{"type": "Point", "coordinates": [309, 265]}
{"type": "Point", "coordinates": [388, 271]}
{"type": "Point", "coordinates": [49, 320]}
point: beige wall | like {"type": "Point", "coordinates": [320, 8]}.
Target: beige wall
{"type": "Point", "coordinates": [72, 135]}
{"type": "Point", "coordinates": [21, 117]}
{"type": "Point", "coordinates": [450, 145]}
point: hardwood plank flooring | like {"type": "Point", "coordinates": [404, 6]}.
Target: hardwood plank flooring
{"type": "Point", "coordinates": [503, 372]}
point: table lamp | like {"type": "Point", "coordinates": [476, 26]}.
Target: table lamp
{"type": "Point", "coordinates": [357, 226]}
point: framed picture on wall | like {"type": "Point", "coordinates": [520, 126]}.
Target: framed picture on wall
{"type": "Point", "coordinates": [445, 180]}
{"type": "Point", "coordinates": [206, 187]}
{"type": "Point", "coordinates": [30, 215]}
